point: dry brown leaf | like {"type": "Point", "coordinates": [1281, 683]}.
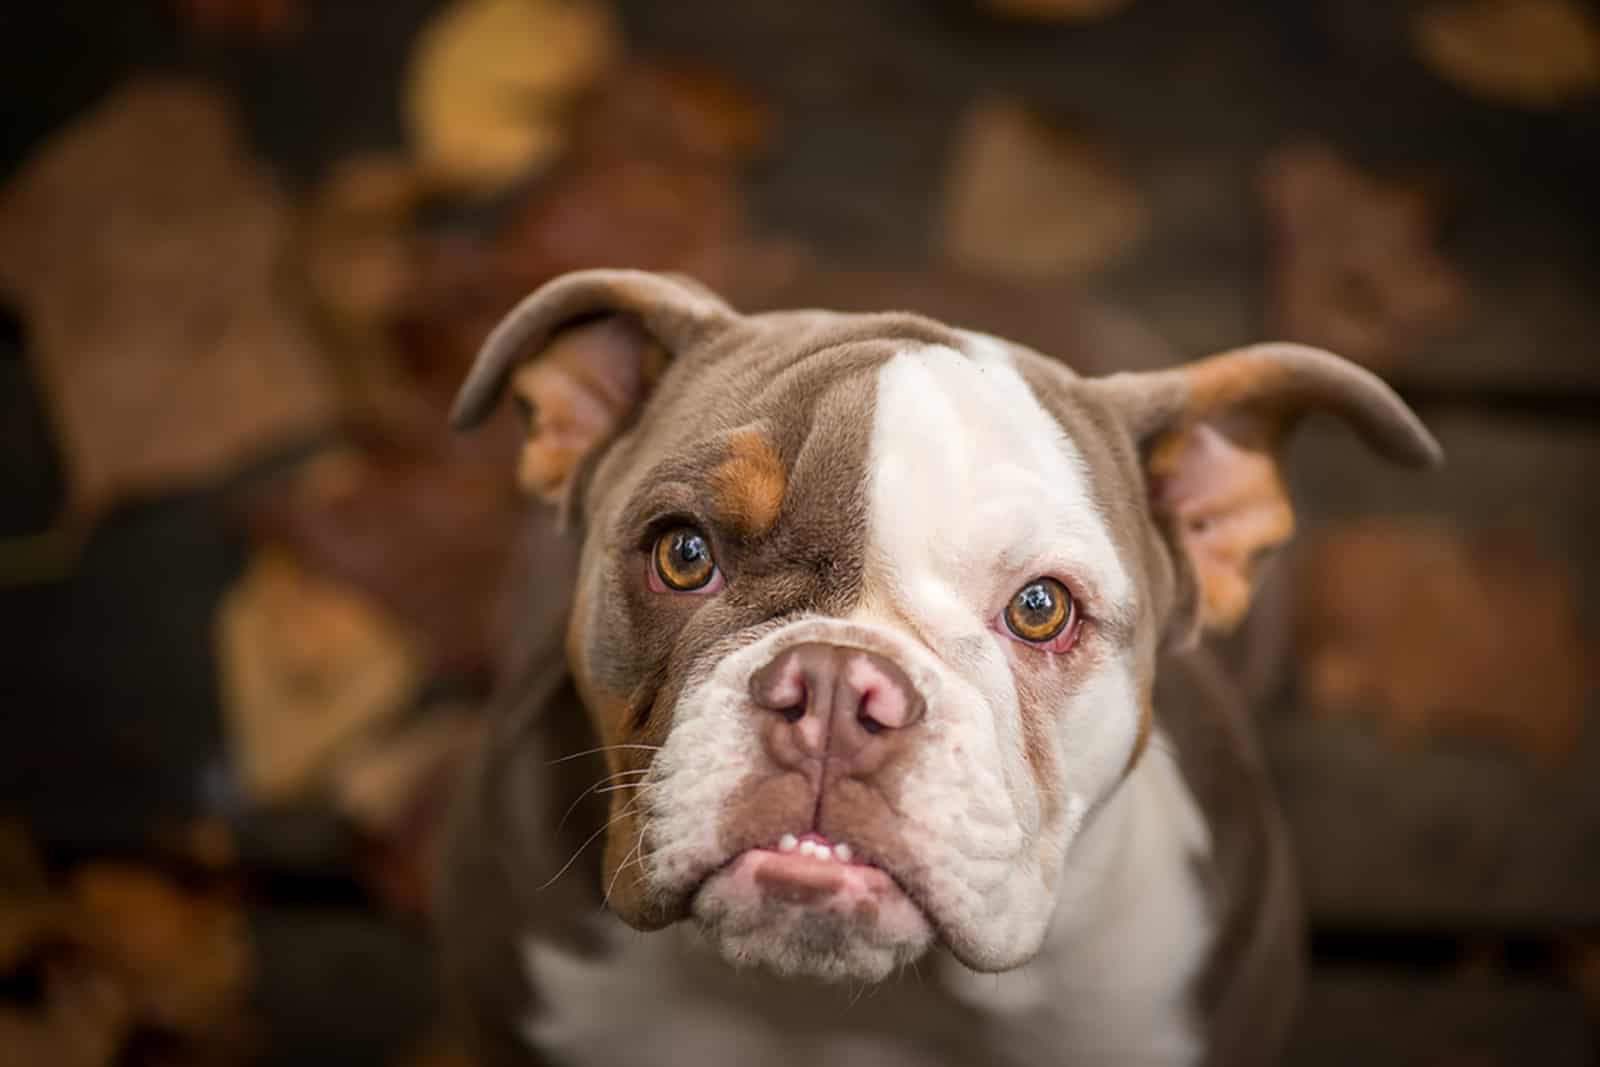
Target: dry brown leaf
{"type": "Point", "coordinates": [674, 111]}
{"type": "Point", "coordinates": [646, 213]}
{"type": "Point", "coordinates": [28, 912]}
{"type": "Point", "coordinates": [1355, 268]}
{"type": "Point", "coordinates": [83, 1021]}
{"type": "Point", "coordinates": [422, 533]}
{"type": "Point", "coordinates": [264, 19]}
{"type": "Point", "coordinates": [127, 952]}
{"type": "Point", "coordinates": [1435, 632]}
{"type": "Point", "coordinates": [307, 665]}
{"type": "Point", "coordinates": [1533, 53]}
{"type": "Point", "coordinates": [357, 258]}
{"type": "Point", "coordinates": [184, 956]}
{"type": "Point", "coordinates": [650, 183]}
{"type": "Point", "coordinates": [493, 82]}
{"type": "Point", "coordinates": [397, 790]}
{"type": "Point", "coordinates": [142, 245]}
{"type": "Point", "coordinates": [1028, 200]}
{"type": "Point", "coordinates": [385, 780]}
{"type": "Point", "coordinates": [1057, 10]}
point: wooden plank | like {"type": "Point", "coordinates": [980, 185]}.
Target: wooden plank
{"type": "Point", "coordinates": [1090, 336]}
{"type": "Point", "coordinates": [1193, 99]}
{"type": "Point", "coordinates": [1357, 1015]}
{"type": "Point", "coordinates": [1450, 830]}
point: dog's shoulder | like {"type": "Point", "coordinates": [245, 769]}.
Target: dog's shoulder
{"type": "Point", "coordinates": [1247, 991]}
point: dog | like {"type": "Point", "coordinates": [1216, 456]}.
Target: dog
{"type": "Point", "coordinates": [860, 717]}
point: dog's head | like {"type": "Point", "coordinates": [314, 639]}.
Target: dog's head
{"type": "Point", "coordinates": [868, 607]}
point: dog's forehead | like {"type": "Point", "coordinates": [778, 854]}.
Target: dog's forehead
{"type": "Point", "coordinates": [857, 438]}
{"type": "Point", "coordinates": [976, 485]}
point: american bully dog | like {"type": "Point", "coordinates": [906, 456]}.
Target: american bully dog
{"type": "Point", "coordinates": [862, 722]}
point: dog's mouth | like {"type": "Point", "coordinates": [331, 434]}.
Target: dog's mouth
{"type": "Point", "coordinates": [805, 904]}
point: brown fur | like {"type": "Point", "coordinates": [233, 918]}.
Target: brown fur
{"type": "Point", "coordinates": [758, 430]}
{"type": "Point", "coordinates": [749, 484]}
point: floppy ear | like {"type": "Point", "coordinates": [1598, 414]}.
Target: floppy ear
{"type": "Point", "coordinates": [1211, 435]}
{"type": "Point", "coordinates": [581, 354]}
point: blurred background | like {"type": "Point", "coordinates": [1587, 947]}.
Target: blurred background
{"type": "Point", "coordinates": [248, 583]}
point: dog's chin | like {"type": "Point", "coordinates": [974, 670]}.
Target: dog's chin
{"type": "Point", "coordinates": [804, 917]}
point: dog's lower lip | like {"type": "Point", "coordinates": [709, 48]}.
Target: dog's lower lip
{"type": "Point", "coordinates": [900, 886]}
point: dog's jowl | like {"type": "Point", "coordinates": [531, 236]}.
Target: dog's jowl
{"type": "Point", "coordinates": [872, 726]}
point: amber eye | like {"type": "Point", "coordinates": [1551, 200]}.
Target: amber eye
{"type": "Point", "coordinates": [1040, 611]}
{"type": "Point", "coordinates": [683, 559]}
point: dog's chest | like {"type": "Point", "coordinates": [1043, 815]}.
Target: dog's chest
{"type": "Point", "coordinates": [1113, 984]}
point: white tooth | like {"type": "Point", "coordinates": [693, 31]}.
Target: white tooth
{"type": "Point", "coordinates": [787, 843]}
{"type": "Point", "coordinates": [807, 848]}
{"type": "Point", "coordinates": [841, 852]}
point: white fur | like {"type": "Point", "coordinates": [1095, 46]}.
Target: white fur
{"type": "Point", "coordinates": [1128, 934]}
{"type": "Point", "coordinates": [975, 491]}
{"type": "Point", "coordinates": [1130, 931]}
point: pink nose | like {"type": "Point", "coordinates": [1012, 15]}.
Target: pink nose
{"type": "Point", "coordinates": [829, 700]}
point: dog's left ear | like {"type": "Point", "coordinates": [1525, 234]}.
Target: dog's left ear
{"type": "Point", "coordinates": [1211, 435]}
{"type": "Point", "coordinates": [581, 354]}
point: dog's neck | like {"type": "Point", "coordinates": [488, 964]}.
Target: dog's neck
{"type": "Point", "coordinates": [1131, 929]}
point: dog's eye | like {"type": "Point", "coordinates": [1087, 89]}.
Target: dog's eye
{"type": "Point", "coordinates": [1041, 611]}
{"type": "Point", "coordinates": [683, 559]}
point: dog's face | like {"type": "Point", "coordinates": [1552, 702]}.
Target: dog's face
{"type": "Point", "coordinates": [869, 606]}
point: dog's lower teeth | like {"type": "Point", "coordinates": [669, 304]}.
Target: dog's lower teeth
{"type": "Point", "coordinates": [841, 853]}
{"type": "Point", "coordinates": [788, 843]}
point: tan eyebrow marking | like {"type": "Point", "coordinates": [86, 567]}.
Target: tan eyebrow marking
{"type": "Point", "coordinates": [750, 483]}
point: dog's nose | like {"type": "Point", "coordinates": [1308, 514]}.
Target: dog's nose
{"type": "Point", "coordinates": [846, 704]}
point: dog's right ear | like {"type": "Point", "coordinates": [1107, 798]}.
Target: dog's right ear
{"type": "Point", "coordinates": [581, 354]}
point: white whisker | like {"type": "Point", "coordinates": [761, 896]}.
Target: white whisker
{"type": "Point", "coordinates": [627, 785]}
{"type": "Point", "coordinates": [629, 810]}
{"type": "Point", "coordinates": [604, 748]}
{"type": "Point", "coordinates": [605, 900]}
{"type": "Point", "coordinates": [593, 788]}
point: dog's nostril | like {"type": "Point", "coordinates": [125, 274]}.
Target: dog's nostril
{"type": "Point", "coordinates": [794, 713]}
{"type": "Point", "coordinates": [869, 724]}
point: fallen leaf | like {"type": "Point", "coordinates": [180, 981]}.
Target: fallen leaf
{"type": "Point", "coordinates": [263, 19]}
{"type": "Point", "coordinates": [1433, 631]}
{"type": "Point", "coordinates": [645, 213]}
{"type": "Point", "coordinates": [1531, 53]}
{"type": "Point", "coordinates": [423, 534]}
{"type": "Point", "coordinates": [1026, 199]}
{"type": "Point", "coordinates": [130, 958]}
{"type": "Point", "coordinates": [493, 83]}
{"type": "Point", "coordinates": [307, 665]}
{"type": "Point", "coordinates": [83, 1019]}
{"type": "Point", "coordinates": [184, 955]}
{"type": "Point", "coordinates": [142, 245]}
{"type": "Point", "coordinates": [1354, 267]}
{"type": "Point", "coordinates": [397, 790]}
{"type": "Point", "coordinates": [674, 111]}
{"type": "Point", "coordinates": [388, 778]}
{"type": "Point", "coordinates": [650, 181]}
{"type": "Point", "coordinates": [357, 258]}
{"type": "Point", "coordinates": [1057, 10]}
{"type": "Point", "coordinates": [28, 912]}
